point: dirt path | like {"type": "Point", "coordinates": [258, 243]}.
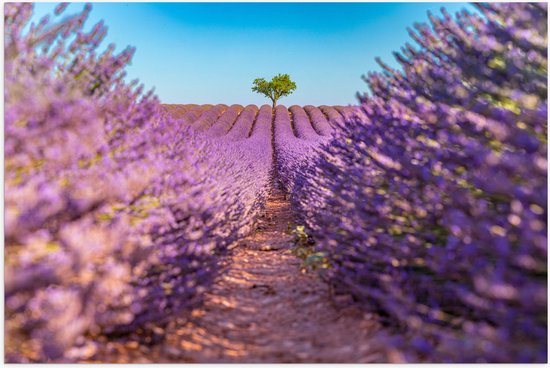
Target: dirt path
{"type": "Point", "coordinates": [264, 310]}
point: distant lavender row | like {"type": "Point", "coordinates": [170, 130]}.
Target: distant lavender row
{"type": "Point", "coordinates": [295, 143]}
{"type": "Point", "coordinates": [432, 208]}
{"type": "Point", "coordinates": [221, 126]}
{"type": "Point", "coordinates": [115, 212]}
{"type": "Point", "coordinates": [318, 120]}
{"type": "Point", "coordinates": [219, 120]}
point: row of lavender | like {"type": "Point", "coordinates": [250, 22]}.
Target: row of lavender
{"type": "Point", "coordinates": [431, 204]}
{"type": "Point", "coordinates": [115, 212]}
{"type": "Point", "coordinates": [298, 131]}
{"type": "Point", "coordinates": [238, 121]}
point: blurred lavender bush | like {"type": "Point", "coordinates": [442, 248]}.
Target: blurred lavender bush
{"type": "Point", "coordinates": [115, 213]}
{"type": "Point", "coordinates": [432, 205]}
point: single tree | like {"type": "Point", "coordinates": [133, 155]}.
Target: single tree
{"type": "Point", "coordinates": [280, 86]}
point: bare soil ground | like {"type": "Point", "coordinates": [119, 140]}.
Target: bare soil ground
{"type": "Point", "coordinates": [263, 309]}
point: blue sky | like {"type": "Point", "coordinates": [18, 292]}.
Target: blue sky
{"type": "Point", "coordinates": [211, 52]}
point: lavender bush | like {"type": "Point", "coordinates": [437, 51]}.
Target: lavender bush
{"type": "Point", "coordinates": [295, 144]}
{"type": "Point", "coordinates": [318, 120]}
{"type": "Point", "coordinates": [432, 207]}
{"type": "Point", "coordinates": [116, 213]}
{"type": "Point", "coordinates": [244, 123]}
{"type": "Point", "coordinates": [225, 122]}
{"type": "Point", "coordinates": [209, 117]}
{"type": "Point", "coordinates": [332, 115]}
{"type": "Point", "coordinates": [187, 114]}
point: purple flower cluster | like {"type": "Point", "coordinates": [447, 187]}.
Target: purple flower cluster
{"type": "Point", "coordinates": [432, 206]}
{"type": "Point", "coordinates": [116, 212]}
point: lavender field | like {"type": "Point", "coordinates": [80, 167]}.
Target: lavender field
{"type": "Point", "coordinates": [410, 227]}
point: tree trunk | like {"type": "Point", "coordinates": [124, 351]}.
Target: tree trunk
{"type": "Point", "coordinates": [274, 105]}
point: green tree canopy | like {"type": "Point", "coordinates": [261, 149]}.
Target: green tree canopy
{"type": "Point", "coordinates": [279, 86]}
